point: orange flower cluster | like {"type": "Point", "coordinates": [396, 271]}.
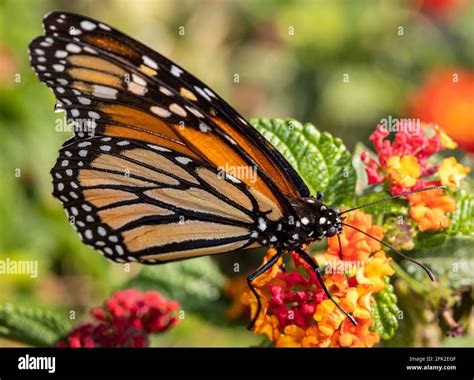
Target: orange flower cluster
{"type": "Point", "coordinates": [428, 209]}
{"type": "Point", "coordinates": [297, 313]}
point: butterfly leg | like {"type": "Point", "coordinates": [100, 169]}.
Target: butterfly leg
{"type": "Point", "coordinates": [311, 261]}
{"type": "Point", "coordinates": [340, 246]}
{"type": "Point", "coordinates": [253, 276]}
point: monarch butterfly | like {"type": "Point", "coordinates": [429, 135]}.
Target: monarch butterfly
{"type": "Point", "coordinates": [141, 178]}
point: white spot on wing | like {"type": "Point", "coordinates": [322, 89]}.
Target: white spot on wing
{"type": "Point", "coordinates": [183, 160]}
{"type": "Point", "coordinates": [73, 48]}
{"type": "Point", "coordinates": [202, 93]}
{"type": "Point", "coordinates": [138, 79]}
{"type": "Point", "coordinates": [105, 92]}
{"type": "Point", "coordinates": [160, 111]}
{"type": "Point", "coordinates": [159, 148]}
{"type": "Point", "coordinates": [194, 111]}
{"type": "Point", "coordinates": [60, 54]}
{"type": "Point", "coordinates": [165, 91]}
{"type": "Point", "coordinates": [58, 68]}
{"type": "Point", "coordinates": [203, 127]}
{"type": "Point", "coordinates": [75, 31]}
{"type": "Point", "coordinates": [176, 71]}
{"type": "Point", "coordinates": [83, 100]}
{"type": "Point", "coordinates": [105, 27]}
{"type": "Point", "coordinates": [136, 88]}
{"type": "Point", "coordinates": [209, 92]}
{"type": "Point", "coordinates": [177, 109]}
{"type": "Point", "coordinates": [88, 25]}
{"type": "Point", "coordinates": [150, 62]}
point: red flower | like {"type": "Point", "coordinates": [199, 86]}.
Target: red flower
{"type": "Point", "coordinates": [126, 320]}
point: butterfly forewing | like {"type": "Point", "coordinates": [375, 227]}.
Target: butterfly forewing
{"type": "Point", "coordinates": [136, 201]}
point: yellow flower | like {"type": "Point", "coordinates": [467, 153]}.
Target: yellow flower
{"type": "Point", "coordinates": [291, 337]}
{"type": "Point", "coordinates": [328, 317]}
{"type": "Point", "coordinates": [447, 141]}
{"type": "Point", "coordinates": [376, 269]}
{"type": "Point", "coordinates": [451, 172]}
{"type": "Point", "coordinates": [404, 170]}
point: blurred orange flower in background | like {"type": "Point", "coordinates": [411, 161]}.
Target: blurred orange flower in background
{"type": "Point", "coordinates": [447, 99]}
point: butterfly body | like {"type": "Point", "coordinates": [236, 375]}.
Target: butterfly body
{"type": "Point", "coordinates": [313, 221]}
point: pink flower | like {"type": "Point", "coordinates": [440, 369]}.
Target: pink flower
{"type": "Point", "coordinates": [126, 320]}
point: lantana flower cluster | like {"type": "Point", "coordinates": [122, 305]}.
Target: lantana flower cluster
{"type": "Point", "coordinates": [297, 313]}
{"type": "Point", "coordinates": [403, 165]}
{"type": "Point", "coordinates": [126, 319]}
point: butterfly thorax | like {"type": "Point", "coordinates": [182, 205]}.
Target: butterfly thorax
{"type": "Point", "coordinates": [313, 221]}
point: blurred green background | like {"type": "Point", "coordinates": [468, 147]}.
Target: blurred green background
{"type": "Point", "coordinates": [267, 58]}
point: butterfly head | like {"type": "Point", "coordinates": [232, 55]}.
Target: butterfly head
{"type": "Point", "coordinates": [329, 222]}
{"type": "Point", "coordinates": [325, 221]}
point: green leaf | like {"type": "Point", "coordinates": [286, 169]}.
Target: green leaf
{"type": "Point", "coordinates": [321, 160]}
{"type": "Point", "coordinates": [462, 219]}
{"type": "Point", "coordinates": [196, 284]}
{"type": "Point", "coordinates": [385, 312]}
{"type": "Point", "coordinates": [35, 327]}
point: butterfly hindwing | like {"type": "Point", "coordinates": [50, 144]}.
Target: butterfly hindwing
{"type": "Point", "coordinates": [135, 201]}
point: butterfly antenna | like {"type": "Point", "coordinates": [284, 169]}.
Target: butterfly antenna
{"type": "Point", "coordinates": [425, 268]}
{"type": "Point", "coordinates": [393, 197]}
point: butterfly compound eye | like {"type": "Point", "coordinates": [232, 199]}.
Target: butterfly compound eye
{"type": "Point", "coordinates": [331, 231]}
